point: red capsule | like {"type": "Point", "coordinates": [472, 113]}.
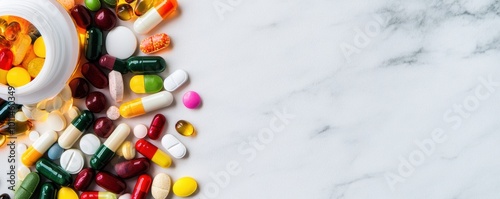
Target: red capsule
{"type": "Point", "coordinates": [110, 182]}
{"type": "Point", "coordinates": [142, 187]}
{"type": "Point", "coordinates": [132, 168]}
{"type": "Point", "coordinates": [96, 102]}
{"type": "Point", "coordinates": [83, 179]}
{"type": "Point", "coordinates": [95, 76]}
{"type": "Point", "coordinates": [155, 43]}
{"type": "Point", "coordinates": [103, 127]}
{"type": "Point", "coordinates": [82, 16]}
{"type": "Point", "coordinates": [79, 88]}
{"type": "Point", "coordinates": [105, 19]}
{"type": "Point", "coordinates": [6, 58]}
{"type": "Point", "coordinates": [97, 195]}
{"type": "Point", "coordinates": [157, 126]}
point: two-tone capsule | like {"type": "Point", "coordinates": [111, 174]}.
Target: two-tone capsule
{"type": "Point", "coordinates": [112, 63]}
{"type": "Point", "coordinates": [75, 129]}
{"type": "Point", "coordinates": [154, 16]}
{"type": "Point", "coordinates": [38, 148]}
{"type": "Point", "coordinates": [136, 64]}
{"type": "Point", "coordinates": [153, 153]}
{"type": "Point", "coordinates": [53, 172]}
{"type": "Point", "coordinates": [107, 150]}
{"type": "Point", "coordinates": [146, 84]}
{"type": "Point", "coordinates": [146, 104]}
{"type": "Point", "coordinates": [97, 195]}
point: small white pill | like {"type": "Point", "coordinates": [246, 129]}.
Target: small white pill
{"type": "Point", "coordinates": [173, 146]}
{"type": "Point", "coordinates": [125, 196]}
{"type": "Point", "coordinates": [21, 148]}
{"type": "Point", "coordinates": [27, 112]}
{"type": "Point", "coordinates": [116, 85]}
{"type": "Point", "coordinates": [56, 121]}
{"type": "Point", "coordinates": [89, 144]}
{"type": "Point", "coordinates": [71, 114]}
{"type": "Point", "coordinates": [22, 172]}
{"type": "Point", "coordinates": [72, 161]}
{"type": "Point", "coordinates": [140, 131]}
{"type": "Point", "coordinates": [113, 113]}
{"type": "Point", "coordinates": [121, 42]}
{"type": "Point", "coordinates": [20, 116]}
{"type": "Point", "coordinates": [65, 93]}
{"type": "Point", "coordinates": [34, 135]}
{"type": "Point", "coordinates": [175, 80]}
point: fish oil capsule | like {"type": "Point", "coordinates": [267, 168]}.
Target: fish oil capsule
{"type": "Point", "coordinates": [94, 75]}
{"type": "Point", "coordinates": [93, 44]}
{"type": "Point", "coordinates": [157, 126]}
{"type": "Point", "coordinates": [28, 186]}
{"type": "Point", "coordinates": [39, 147]}
{"type": "Point", "coordinates": [107, 150]}
{"type": "Point", "coordinates": [35, 66]}
{"type": "Point", "coordinates": [142, 186]}
{"type": "Point", "coordinates": [12, 31]}
{"type": "Point", "coordinates": [112, 63]}
{"type": "Point", "coordinates": [39, 47]}
{"type": "Point", "coordinates": [185, 128]}
{"type": "Point", "coordinates": [132, 168]}
{"type": "Point", "coordinates": [154, 16]}
{"type": "Point", "coordinates": [110, 182]}
{"type": "Point", "coordinates": [143, 6]}
{"type": "Point", "coordinates": [20, 48]}
{"type": "Point", "coordinates": [153, 153]}
{"type": "Point", "coordinates": [6, 59]}
{"type": "Point", "coordinates": [4, 43]}
{"type": "Point", "coordinates": [3, 25]}
{"type": "Point", "coordinates": [155, 43]}
{"type": "Point", "coordinates": [82, 16]}
{"type": "Point", "coordinates": [83, 179]}
{"type": "Point", "coordinates": [48, 191]}
{"type": "Point", "coordinates": [75, 129]}
{"type": "Point", "coordinates": [146, 84]}
{"type": "Point", "coordinates": [147, 104]}
{"type": "Point", "coordinates": [97, 195]}
{"type": "Point", "coordinates": [124, 10]}
{"type": "Point", "coordinates": [146, 64]}
{"type": "Point", "coordinates": [53, 172]}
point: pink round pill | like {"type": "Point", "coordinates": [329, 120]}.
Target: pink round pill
{"type": "Point", "coordinates": [191, 100]}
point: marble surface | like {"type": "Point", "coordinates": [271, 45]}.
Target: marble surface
{"type": "Point", "coordinates": [338, 99]}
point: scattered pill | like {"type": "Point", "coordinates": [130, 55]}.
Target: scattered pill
{"type": "Point", "coordinates": [132, 168]}
{"type": "Point", "coordinates": [48, 191]}
{"type": "Point", "coordinates": [94, 75]}
{"type": "Point", "coordinates": [175, 80]}
{"type": "Point", "coordinates": [140, 65]}
{"type": "Point", "coordinates": [103, 127]}
{"type": "Point", "coordinates": [22, 172]}
{"type": "Point", "coordinates": [173, 146]}
{"type": "Point", "coordinates": [35, 66]}
{"type": "Point", "coordinates": [146, 83]}
{"type": "Point", "coordinates": [96, 102]}
{"type": "Point", "coordinates": [124, 10]}
{"type": "Point", "coordinates": [75, 130]}
{"type": "Point", "coordinates": [28, 186]}
{"type": "Point", "coordinates": [71, 114]}
{"type": "Point", "coordinates": [38, 148]}
{"type": "Point", "coordinates": [21, 117]}
{"type": "Point", "coordinates": [82, 16]}
{"type": "Point", "coordinates": [66, 193]}
{"type": "Point", "coordinates": [191, 100]}
{"type": "Point", "coordinates": [12, 31]}
{"type": "Point", "coordinates": [56, 121]}
{"type": "Point", "coordinates": [72, 161]}
{"type": "Point", "coordinates": [20, 48]}
{"type": "Point", "coordinates": [185, 187]}
{"type": "Point", "coordinates": [161, 186]}
{"type": "Point", "coordinates": [113, 113]}
{"type": "Point", "coordinates": [154, 16]}
{"type": "Point", "coordinates": [185, 128]}
{"type": "Point", "coordinates": [39, 47]}
{"type": "Point", "coordinates": [157, 126]}
{"type": "Point", "coordinates": [21, 148]}
{"type": "Point", "coordinates": [125, 196]}
{"type": "Point", "coordinates": [155, 43]}
{"type": "Point", "coordinates": [142, 186]}
{"type": "Point", "coordinates": [18, 76]}
{"type": "Point", "coordinates": [121, 42]}
{"type": "Point", "coordinates": [143, 6]}
{"type": "Point", "coordinates": [55, 152]}
{"type": "Point", "coordinates": [110, 182]}
{"type": "Point", "coordinates": [153, 153]}
{"type": "Point", "coordinates": [112, 63]}
{"type": "Point", "coordinates": [126, 150]}
{"type": "Point", "coordinates": [107, 150]}
{"type": "Point", "coordinates": [140, 131]}
{"type": "Point", "coordinates": [5, 196]}
{"type": "Point", "coordinates": [89, 144]}
{"type": "Point", "coordinates": [83, 179]}
{"type": "Point", "coordinates": [116, 87]}
{"type": "Point", "coordinates": [105, 19]}
{"type": "Point", "coordinates": [147, 104]}
{"type": "Point", "coordinates": [93, 5]}
{"type": "Point", "coordinates": [27, 112]}
{"type": "Point", "coordinates": [93, 43]}
{"type": "Point", "coordinates": [79, 88]}
{"type": "Point", "coordinates": [97, 195]}
{"type": "Point", "coordinates": [53, 172]}
{"type": "Point", "coordinates": [110, 3]}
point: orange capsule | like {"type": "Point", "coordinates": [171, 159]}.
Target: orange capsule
{"type": "Point", "coordinates": [155, 43]}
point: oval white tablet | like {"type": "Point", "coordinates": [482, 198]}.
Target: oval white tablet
{"type": "Point", "coordinates": [22, 172]}
{"type": "Point", "coordinates": [72, 161]}
{"type": "Point", "coordinates": [173, 146]}
{"type": "Point", "coordinates": [89, 144]}
{"type": "Point", "coordinates": [113, 113]}
{"type": "Point", "coordinates": [116, 85]}
{"type": "Point", "coordinates": [175, 80]}
{"type": "Point", "coordinates": [34, 135]}
{"type": "Point", "coordinates": [140, 131]}
{"type": "Point", "coordinates": [121, 42]}
{"type": "Point", "coordinates": [56, 121]}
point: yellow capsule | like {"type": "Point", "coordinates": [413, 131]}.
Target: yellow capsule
{"type": "Point", "coordinates": [185, 128]}
{"type": "Point", "coordinates": [39, 47]}
{"type": "Point", "coordinates": [66, 193]}
{"type": "Point", "coordinates": [17, 77]}
{"type": "Point", "coordinates": [30, 55]}
{"type": "Point", "coordinates": [20, 48]}
{"type": "Point", "coordinates": [35, 66]}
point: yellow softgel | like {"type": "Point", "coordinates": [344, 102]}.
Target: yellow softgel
{"type": "Point", "coordinates": [66, 193]}
{"type": "Point", "coordinates": [185, 187]}
{"type": "Point", "coordinates": [18, 76]}
{"type": "Point", "coordinates": [35, 66]}
{"type": "Point", "coordinates": [39, 47]}
{"type": "Point", "coordinates": [30, 55]}
{"type": "Point", "coordinates": [20, 48]}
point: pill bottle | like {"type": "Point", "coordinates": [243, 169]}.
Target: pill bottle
{"type": "Point", "coordinates": [62, 48]}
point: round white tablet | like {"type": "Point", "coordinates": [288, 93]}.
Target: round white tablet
{"type": "Point", "coordinates": [89, 144]}
{"type": "Point", "coordinates": [175, 80]}
{"type": "Point", "coordinates": [72, 161]}
{"type": "Point", "coordinates": [56, 121]}
{"type": "Point", "coordinates": [173, 146]}
{"type": "Point", "coordinates": [140, 131]}
{"type": "Point", "coordinates": [121, 42]}
{"type": "Point", "coordinates": [113, 113]}
{"type": "Point", "coordinates": [21, 148]}
{"type": "Point", "coordinates": [34, 135]}
{"type": "Point", "coordinates": [20, 116]}
{"type": "Point", "coordinates": [22, 172]}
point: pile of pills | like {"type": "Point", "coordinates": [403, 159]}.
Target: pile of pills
{"type": "Point", "coordinates": [22, 51]}
{"type": "Point", "coordinates": [60, 154]}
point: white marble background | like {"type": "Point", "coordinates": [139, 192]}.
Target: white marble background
{"type": "Point", "coordinates": [339, 99]}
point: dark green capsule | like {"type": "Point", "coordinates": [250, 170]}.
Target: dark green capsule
{"type": "Point", "coordinates": [110, 3]}
{"type": "Point", "coordinates": [146, 64]}
{"type": "Point", "coordinates": [28, 186]}
{"type": "Point", "coordinates": [48, 191]}
{"type": "Point", "coordinates": [53, 172]}
{"type": "Point", "coordinates": [101, 157]}
{"type": "Point", "coordinates": [83, 121]}
{"type": "Point", "coordinates": [93, 44]}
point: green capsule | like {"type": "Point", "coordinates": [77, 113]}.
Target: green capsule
{"type": "Point", "coordinates": [53, 172]}
{"type": "Point", "coordinates": [48, 191]}
{"type": "Point", "coordinates": [146, 84]}
{"type": "Point", "coordinates": [110, 3]}
{"type": "Point", "coordinates": [146, 64]}
{"type": "Point", "coordinates": [28, 186]}
{"type": "Point", "coordinates": [83, 121]}
{"type": "Point", "coordinates": [93, 44]}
